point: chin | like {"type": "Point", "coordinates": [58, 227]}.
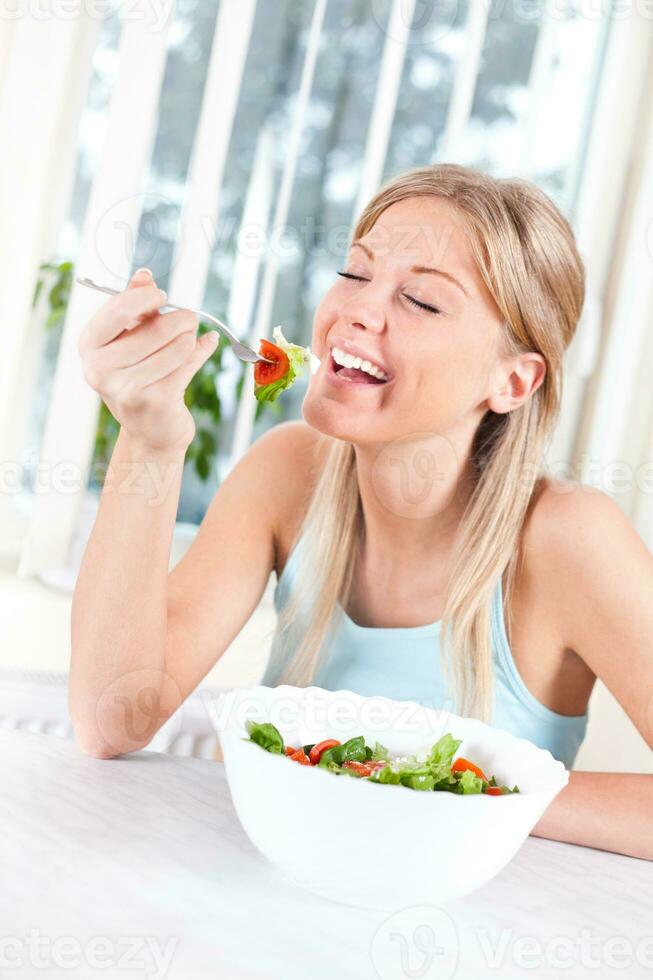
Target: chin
{"type": "Point", "coordinates": [334, 419]}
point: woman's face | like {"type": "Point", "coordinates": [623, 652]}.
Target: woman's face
{"type": "Point", "coordinates": [412, 302]}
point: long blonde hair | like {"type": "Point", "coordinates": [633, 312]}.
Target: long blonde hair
{"type": "Point", "coordinates": [527, 256]}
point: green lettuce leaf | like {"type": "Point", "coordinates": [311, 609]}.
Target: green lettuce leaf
{"type": "Point", "coordinates": [379, 753]}
{"type": "Point", "coordinates": [267, 736]}
{"type": "Point", "coordinates": [444, 750]}
{"type": "Point", "coordinates": [350, 751]}
{"type": "Point", "coordinates": [444, 779]}
{"type": "Point", "coordinates": [469, 782]}
{"type": "Point", "coordinates": [418, 781]}
{"type": "Point", "coordinates": [386, 775]}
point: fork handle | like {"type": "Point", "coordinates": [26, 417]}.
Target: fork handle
{"type": "Point", "coordinates": [100, 289]}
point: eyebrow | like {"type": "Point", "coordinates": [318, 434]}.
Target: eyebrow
{"type": "Point", "coordinates": [418, 268]}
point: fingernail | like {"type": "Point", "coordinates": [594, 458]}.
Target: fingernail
{"type": "Point", "coordinates": [144, 269]}
{"type": "Point", "coordinates": [212, 337]}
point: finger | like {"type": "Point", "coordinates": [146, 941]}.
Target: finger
{"type": "Point", "coordinates": [142, 277]}
{"type": "Point", "coordinates": [160, 364]}
{"type": "Point", "coordinates": [146, 339]}
{"type": "Point", "coordinates": [178, 380]}
{"type": "Point", "coordinates": [122, 312]}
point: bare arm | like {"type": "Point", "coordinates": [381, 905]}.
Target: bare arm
{"type": "Point", "coordinates": [611, 811]}
{"type": "Point", "coordinates": [143, 639]}
{"type": "Point", "coordinates": [601, 577]}
{"type": "Point", "coordinates": [119, 605]}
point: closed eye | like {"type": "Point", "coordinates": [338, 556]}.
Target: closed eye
{"type": "Point", "coordinates": [350, 275]}
{"type": "Point", "coordinates": [415, 302]}
{"type": "Point", "coordinates": [422, 306]}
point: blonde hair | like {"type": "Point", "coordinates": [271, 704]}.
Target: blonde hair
{"type": "Point", "coordinates": [527, 256]}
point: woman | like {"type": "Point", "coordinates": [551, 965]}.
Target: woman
{"type": "Point", "coordinates": [407, 507]}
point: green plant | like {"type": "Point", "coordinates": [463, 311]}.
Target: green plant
{"type": "Point", "coordinates": [203, 401]}
{"type": "Point", "coordinates": [59, 278]}
{"type": "Point", "coordinates": [202, 397]}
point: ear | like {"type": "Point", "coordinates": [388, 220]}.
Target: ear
{"type": "Point", "coordinates": [519, 380]}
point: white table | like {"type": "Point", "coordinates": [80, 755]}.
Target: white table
{"type": "Point", "coordinates": [142, 859]}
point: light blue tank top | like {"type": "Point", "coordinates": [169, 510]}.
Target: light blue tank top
{"type": "Point", "coordinates": [403, 663]}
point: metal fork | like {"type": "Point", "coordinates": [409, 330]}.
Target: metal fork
{"type": "Point", "coordinates": [241, 350]}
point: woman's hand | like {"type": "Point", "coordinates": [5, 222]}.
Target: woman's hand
{"type": "Point", "coordinates": [141, 361]}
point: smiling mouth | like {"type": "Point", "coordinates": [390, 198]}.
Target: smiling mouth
{"type": "Point", "coordinates": [355, 371]}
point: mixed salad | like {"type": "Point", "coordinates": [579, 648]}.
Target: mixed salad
{"type": "Point", "coordinates": [431, 770]}
{"type": "Point", "coordinates": [288, 362]}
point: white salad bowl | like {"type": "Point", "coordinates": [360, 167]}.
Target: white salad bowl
{"type": "Point", "coordinates": [374, 846]}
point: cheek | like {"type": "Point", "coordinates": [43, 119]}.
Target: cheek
{"type": "Point", "coordinates": [452, 374]}
{"type": "Point", "coordinates": [472, 355]}
{"type": "Point", "coordinates": [325, 316]}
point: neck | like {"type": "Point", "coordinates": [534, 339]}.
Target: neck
{"type": "Point", "coordinates": [413, 494]}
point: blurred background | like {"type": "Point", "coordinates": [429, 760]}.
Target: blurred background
{"type": "Point", "coordinates": [229, 146]}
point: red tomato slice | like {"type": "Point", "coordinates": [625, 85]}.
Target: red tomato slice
{"type": "Point", "coordinates": [301, 757]}
{"type": "Point", "coordinates": [494, 791]}
{"type": "Point", "coordinates": [362, 768]}
{"type": "Point", "coordinates": [460, 765]}
{"type": "Point", "coordinates": [375, 765]}
{"type": "Point", "coordinates": [264, 373]}
{"type": "Point", "coordinates": [316, 752]}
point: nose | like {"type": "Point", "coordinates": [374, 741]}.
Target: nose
{"type": "Point", "coordinates": [367, 306]}
{"type": "Point", "coordinates": [365, 314]}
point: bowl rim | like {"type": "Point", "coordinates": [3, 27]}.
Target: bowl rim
{"type": "Point", "coordinates": [556, 771]}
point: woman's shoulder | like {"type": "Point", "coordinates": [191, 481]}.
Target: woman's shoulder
{"type": "Point", "coordinates": [543, 603]}
{"type": "Point", "coordinates": [565, 516]}
{"type": "Point", "coordinates": [571, 531]}
{"type": "Point", "coordinates": [589, 577]}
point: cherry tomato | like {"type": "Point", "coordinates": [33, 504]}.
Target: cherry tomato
{"type": "Point", "coordinates": [264, 373]}
{"type": "Point", "coordinates": [316, 752]}
{"type": "Point", "coordinates": [301, 757]}
{"type": "Point", "coordinates": [460, 765]}
{"type": "Point", "coordinates": [494, 791]}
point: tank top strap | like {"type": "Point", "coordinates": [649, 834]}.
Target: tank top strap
{"type": "Point", "coordinates": [507, 667]}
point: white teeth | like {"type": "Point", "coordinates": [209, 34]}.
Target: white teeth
{"type": "Point", "coordinates": [348, 360]}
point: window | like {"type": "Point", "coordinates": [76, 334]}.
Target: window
{"type": "Point", "coordinates": [282, 118]}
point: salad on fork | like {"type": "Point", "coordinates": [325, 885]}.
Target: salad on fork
{"type": "Point", "coordinates": [285, 362]}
